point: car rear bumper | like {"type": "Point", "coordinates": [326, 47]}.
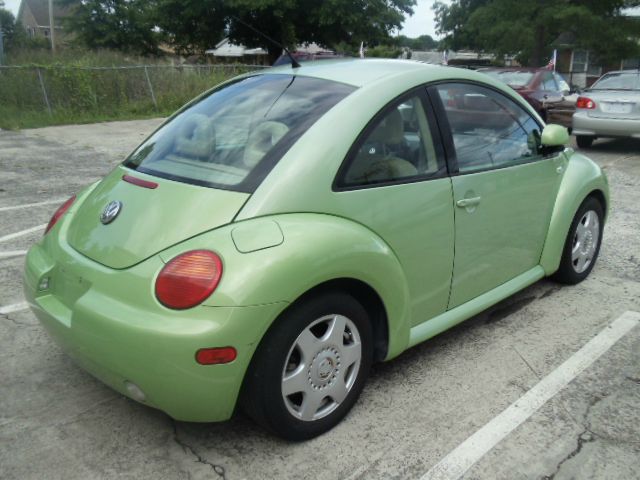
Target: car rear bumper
{"type": "Point", "coordinates": [583, 124]}
{"type": "Point", "coordinates": [125, 343]}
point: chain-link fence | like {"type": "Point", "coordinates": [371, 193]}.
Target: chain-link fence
{"type": "Point", "coordinates": [105, 92]}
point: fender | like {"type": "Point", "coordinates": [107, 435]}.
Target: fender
{"type": "Point", "coordinates": [582, 177]}
{"type": "Point", "coordinates": [310, 250]}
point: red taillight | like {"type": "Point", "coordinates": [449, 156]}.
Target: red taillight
{"type": "Point", "coordinates": [216, 356]}
{"type": "Point", "coordinates": [584, 102]}
{"type": "Point", "coordinates": [188, 279]}
{"type": "Point", "coordinates": [59, 212]}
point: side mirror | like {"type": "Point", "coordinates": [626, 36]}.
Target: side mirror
{"type": "Point", "coordinates": [554, 136]}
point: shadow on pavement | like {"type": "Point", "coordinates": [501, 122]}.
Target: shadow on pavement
{"type": "Point", "coordinates": [614, 145]}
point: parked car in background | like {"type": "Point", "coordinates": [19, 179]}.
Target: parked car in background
{"type": "Point", "coordinates": [536, 85]}
{"type": "Point", "coordinates": [610, 108]}
{"type": "Point", "coordinates": [560, 110]}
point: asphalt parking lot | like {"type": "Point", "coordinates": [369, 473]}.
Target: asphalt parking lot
{"type": "Point", "coordinates": [418, 414]}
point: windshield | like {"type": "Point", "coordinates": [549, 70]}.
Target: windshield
{"type": "Point", "coordinates": [511, 77]}
{"type": "Point", "coordinates": [231, 137]}
{"type": "Point", "coordinates": [618, 81]}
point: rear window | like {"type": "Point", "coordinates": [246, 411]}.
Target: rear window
{"type": "Point", "coordinates": [515, 78]}
{"type": "Point", "coordinates": [231, 137]}
{"type": "Point", "coordinates": [618, 81]}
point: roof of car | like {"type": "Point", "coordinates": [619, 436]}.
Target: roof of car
{"type": "Point", "coordinates": [635, 70]}
{"type": "Point", "coordinates": [357, 72]}
{"type": "Point", "coordinates": [515, 69]}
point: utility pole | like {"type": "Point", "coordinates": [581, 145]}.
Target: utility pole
{"type": "Point", "coordinates": [1, 37]}
{"type": "Point", "coordinates": [51, 27]}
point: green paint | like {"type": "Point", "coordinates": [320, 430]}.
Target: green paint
{"type": "Point", "coordinates": [432, 263]}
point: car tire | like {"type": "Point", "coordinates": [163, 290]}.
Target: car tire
{"type": "Point", "coordinates": [310, 367]}
{"type": "Point", "coordinates": [584, 141]}
{"type": "Point", "coordinates": [582, 245]}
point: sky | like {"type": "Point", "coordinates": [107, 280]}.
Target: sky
{"type": "Point", "coordinates": [422, 21]}
{"type": "Point", "coordinates": [12, 6]}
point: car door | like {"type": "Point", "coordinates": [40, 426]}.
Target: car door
{"type": "Point", "coordinates": [503, 188]}
{"type": "Point", "coordinates": [394, 181]}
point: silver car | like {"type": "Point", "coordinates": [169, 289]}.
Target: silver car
{"type": "Point", "coordinates": [610, 108]}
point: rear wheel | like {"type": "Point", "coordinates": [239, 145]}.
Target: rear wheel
{"type": "Point", "coordinates": [310, 367]}
{"type": "Point", "coordinates": [584, 141]}
{"type": "Point", "coordinates": [583, 243]}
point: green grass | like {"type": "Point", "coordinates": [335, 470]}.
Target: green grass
{"type": "Point", "coordinates": [80, 93]}
{"type": "Point", "coordinates": [19, 119]}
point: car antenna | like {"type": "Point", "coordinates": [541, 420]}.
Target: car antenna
{"type": "Point", "coordinates": [294, 62]}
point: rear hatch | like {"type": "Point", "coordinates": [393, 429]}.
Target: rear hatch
{"type": "Point", "coordinates": [150, 219]}
{"type": "Point", "coordinates": [615, 104]}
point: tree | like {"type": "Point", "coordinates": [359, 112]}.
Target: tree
{"type": "Point", "coordinates": [328, 23]}
{"type": "Point", "coordinates": [11, 32]}
{"type": "Point", "coordinates": [453, 20]}
{"type": "Point", "coordinates": [527, 29]}
{"type": "Point", "coordinates": [127, 25]}
{"type": "Point", "coordinates": [192, 26]}
{"type": "Point", "coordinates": [195, 25]}
{"type": "Point", "coordinates": [423, 42]}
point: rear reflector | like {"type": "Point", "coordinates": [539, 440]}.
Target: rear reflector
{"type": "Point", "coordinates": [216, 356]}
{"type": "Point", "coordinates": [139, 182]}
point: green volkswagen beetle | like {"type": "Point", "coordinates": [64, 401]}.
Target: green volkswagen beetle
{"type": "Point", "coordinates": [288, 228]}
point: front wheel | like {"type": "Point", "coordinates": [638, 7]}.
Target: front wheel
{"type": "Point", "coordinates": [310, 367]}
{"type": "Point", "coordinates": [583, 243]}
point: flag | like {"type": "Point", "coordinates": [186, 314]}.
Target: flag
{"type": "Point", "coordinates": [552, 62]}
{"type": "Point", "coordinates": [361, 50]}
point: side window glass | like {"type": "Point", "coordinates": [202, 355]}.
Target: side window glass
{"type": "Point", "coordinates": [489, 130]}
{"type": "Point", "coordinates": [548, 83]}
{"type": "Point", "coordinates": [562, 83]}
{"type": "Point", "coordinates": [398, 147]}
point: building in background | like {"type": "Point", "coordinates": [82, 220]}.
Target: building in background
{"type": "Point", "coordinates": [582, 67]}
{"type": "Point", "coordinates": [33, 15]}
{"type": "Point", "coordinates": [462, 58]}
{"type": "Point", "coordinates": [227, 52]}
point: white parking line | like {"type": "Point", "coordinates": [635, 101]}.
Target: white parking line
{"type": "Point", "coordinates": [16, 307]}
{"type": "Point", "coordinates": [13, 253]}
{"type": "Point", "coordinates": [11, 236]}
{"type": "Point", "coordinates": [463, 457]}
{"type": "Point", "coordinates": [29, 205]}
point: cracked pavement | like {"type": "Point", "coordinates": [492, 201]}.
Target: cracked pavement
{"type": "Point", "coordinates": [57, 422]}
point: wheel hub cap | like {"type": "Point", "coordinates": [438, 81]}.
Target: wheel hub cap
{"type": "Point", "coordinates": [585, 241]}
{"type": "Point", "coordinates": [321, 367]}
{"type": "Point", "coordinates": [324, 368]}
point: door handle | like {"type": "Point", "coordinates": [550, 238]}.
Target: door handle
{"type": "Point", "coordinates": [468, 202]}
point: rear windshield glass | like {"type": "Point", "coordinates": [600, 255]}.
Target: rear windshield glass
{"type": "Point", "coordinates": [518, 79]}
{"type": "Point", "coordinates": [231, 137]}
{"type": "Point", "coordinates": [618, 81]}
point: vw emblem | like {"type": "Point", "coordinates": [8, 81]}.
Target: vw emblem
{"type": "Point", "coordinates": [110, 212]}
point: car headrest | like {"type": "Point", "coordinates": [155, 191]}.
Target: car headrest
{"type": "Point", "coordinates": [196, 137]}
{"type": "Point", "coordinates": [261, 140]}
